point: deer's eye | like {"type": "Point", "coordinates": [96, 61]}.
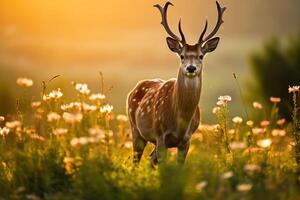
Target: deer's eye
{"type": "Point", "coordinates": [201, 57]}
{"type": "Point", "coordinates": [181, 57]}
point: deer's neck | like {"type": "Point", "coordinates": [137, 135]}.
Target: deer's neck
{"type": "Point", "coordinates": [187, 96]}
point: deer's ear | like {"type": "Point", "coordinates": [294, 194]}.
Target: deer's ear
{"type": "Point", "coordinates": [210, 45]}
{"type": "Point", "coordinates": [174, 45]}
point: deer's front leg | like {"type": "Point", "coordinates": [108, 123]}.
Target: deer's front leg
{"type": "Point", "coordinates": [182, 151]}
{"type": "Point", "coordinates": [153, 156]}
{"type": "Point", "coordinates": [161, 151]}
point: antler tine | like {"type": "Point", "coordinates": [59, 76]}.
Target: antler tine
{"type": "Point", "coordinates": [218, 25]}
{"type": "Point", "coordinates": [203, 33]}
{"type": "Point", "coordinates": [181, 33]}
{"type": "Point", "coordinates": [164, 22]}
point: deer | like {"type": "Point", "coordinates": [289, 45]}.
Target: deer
{"type": "Point", "coordinates": [166, 113]}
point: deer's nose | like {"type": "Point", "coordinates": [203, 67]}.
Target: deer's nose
{"type": "Point", "coordinates": [191, 69]}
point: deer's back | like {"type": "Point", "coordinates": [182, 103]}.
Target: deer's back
{"type": "Point", "coordinates": [149, 106]}
{"type": "Point", "coordinates": [138, 93]}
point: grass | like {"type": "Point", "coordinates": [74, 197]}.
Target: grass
{"type": "Point", "coordinates": [56, 149]}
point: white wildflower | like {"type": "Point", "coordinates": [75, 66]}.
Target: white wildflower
{"type": "Point", "coordinates": [278, 132]}
{"type": "Point", "coordinates": [73, 106]}
{"type": "Point", "coordinates": [96, 131]}
{"type": "Point", "coordinates": [96, 97]}
{"type": "Point", "coordinates": [257, 131]}
{"type": "Point", "coordinates": [280, 122]}
{"type": "Point", "coordinates": [37, 137]}
{"type": "Point", "coordinates": [35, 104]}
{"type": "Point", "coordinates": [60, 131]}
{"type": "Point", "coordinates": [225, 98]}
{"type": "Point", "coordinates": [24, 82]}
{"type": "Point", "coordinates": [265, 123]}
{"type": "Point", "coordinates": [227, 175]}
{"type": "Point", "coordinates": [265, 143]}
{"type": "Point", "coordinates": [275, 99]}
{"type": "Point", "coordinates": [216, 110]}
{"type": "Point", "coordinates": [106, 108]}
{"type": "Point", "coordinates": [237, 120]}
{"type": "Point", "coordinates": [79, 141]}
{"type": "Point", "coordinates": [237, 145]}
{"type": "Point", "coordinates": [4, 131]}
{"type": "Point", "coordinates": [294, 89]}
{"type": "Point", "coordinates": [53, 116]}
{"type": "Point", "coordinates": [88, 107]}
{"type": "Point", "coordinates": [200, 186]}
{"type": "Point", "coordinates": [252, 168]}
{"type": "Point", "coordinates": [13, 124]}
{"type": "Point", "coordinates": [257, 105]}
{"type": "Point", "coordinates": [82, 88]}
{"type": "Point", "coordinates": [250, 123]}
{"type": "Point", "coordinates": [2, 119]}
{"type": "Point", "coordinates": [122, 118]}
{"type": "Point", "coordinates": [72, 117]}
{"type": "Point", "coordinates": [128, 144]}
{"type": "Point", "coordinates": [74, 142]}
{"type": "Point", "coordinates": [54, 94]}
{"type": "Point", "coordinates": [244, 187]}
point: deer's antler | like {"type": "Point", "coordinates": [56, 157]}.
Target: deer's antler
{"type": "Point", "coordinates": [164, 22]}
{"type": "Point", "coordinates": [217, 27]}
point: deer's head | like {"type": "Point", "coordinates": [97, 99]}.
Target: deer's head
{"type": "Point", "coordinates": [191, 56]}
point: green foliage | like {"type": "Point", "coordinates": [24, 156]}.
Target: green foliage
{"type": "Point", "coordinates": [7, 101]}
{"type": "Point", "coordinates": [275, 68]}
{"type": "Point", "coordinates": [82, 150]}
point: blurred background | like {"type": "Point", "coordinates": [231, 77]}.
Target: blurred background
{"type": "Point", "coordinates": [125, 41]}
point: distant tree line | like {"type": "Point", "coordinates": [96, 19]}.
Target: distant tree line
{"type": "Point", "coordinates": [275, 68]}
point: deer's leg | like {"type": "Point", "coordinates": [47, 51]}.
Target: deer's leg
{"type": "Point", "coordinates": [139, 145]}
{"type": "Point", "coordinates": [182, 151]}
{"type": "Point", "coordinates": [153, 155]}
{"type": "Point", "coordinates": [161, 151]}
{"type": "Point", "coordinates": [183, 148]}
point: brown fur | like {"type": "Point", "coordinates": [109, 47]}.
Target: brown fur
{"type": "Point", "coordinates": [164, 111]}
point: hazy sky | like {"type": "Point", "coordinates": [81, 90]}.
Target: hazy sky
{"type": "Point", "coordinates": [95, 18]}
{"type": "Point", "coordinates": [65, 32]}
{"type": "Point", "coordinates": [124, 39]}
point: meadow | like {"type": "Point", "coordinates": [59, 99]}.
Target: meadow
{"type": "Point", "coordinates": [55, 147]}
{"type": "Point", "coordinates": [68, 136]}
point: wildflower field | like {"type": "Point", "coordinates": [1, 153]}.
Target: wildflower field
{"type": "Point", "coordinates": [52, 148]}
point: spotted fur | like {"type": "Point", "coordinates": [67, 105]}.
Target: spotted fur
{"type": "Point", "coordinates": [159, 109]}
{"type": "Point", "coordinates": [166, 113]}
